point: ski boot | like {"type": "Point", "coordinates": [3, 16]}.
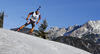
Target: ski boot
{"type": "Point", "coordinates": [30, 33]}
{"type": "Point", "coordinates": [18, 29]}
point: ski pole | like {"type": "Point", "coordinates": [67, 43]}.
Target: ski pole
{"type": "Point", "coordinates": [23, 17]}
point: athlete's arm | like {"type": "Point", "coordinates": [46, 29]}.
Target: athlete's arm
{"type": "Point", "coordinates": [39, 19]}
{"type": "Point", "coordinates": [29, 15]}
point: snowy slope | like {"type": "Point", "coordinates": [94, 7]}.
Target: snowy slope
{"type": "Point", "coordinates": [12, 42]}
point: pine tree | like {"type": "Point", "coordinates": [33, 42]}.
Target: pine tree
{"type": "Point", "coordinates": [41, 30]}
{"type": "Point", "coordinates": [1, 19]}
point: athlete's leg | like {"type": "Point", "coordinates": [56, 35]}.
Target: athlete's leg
{"type": "Point", "coordinates": [33, 25]}
{"type": "Point", "coordinates": [24, 25]}
{"type": "Point", "coordinates": [31, 30]}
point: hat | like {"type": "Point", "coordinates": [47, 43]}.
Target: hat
{"type": "Point", "coordinates": [38, 8]}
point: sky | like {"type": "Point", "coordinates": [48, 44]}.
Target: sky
{"type": "Point", "coordinates": [60, 13]}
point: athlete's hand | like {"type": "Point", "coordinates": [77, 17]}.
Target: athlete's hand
{"type": "Point", "coordinates": [37, 22]}
{"type": "Point", "coordinates": [26, 18]}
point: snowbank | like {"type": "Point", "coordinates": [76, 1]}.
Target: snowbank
{"type": "Point", "coordinates": [12, 42]}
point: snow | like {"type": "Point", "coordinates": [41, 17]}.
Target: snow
{"type": "Point", "coordinates": [12, 42]}
{"type": "Point", "coordinates": [94, 24]}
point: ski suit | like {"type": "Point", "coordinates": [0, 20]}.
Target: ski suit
{"type": "Point", "coordinates": [32, 20]}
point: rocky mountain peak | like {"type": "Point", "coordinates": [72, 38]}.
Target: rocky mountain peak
{"type": "Point", "coordinates": [89, 27]}
{"type": "Point", "coordinates": [93, 24]}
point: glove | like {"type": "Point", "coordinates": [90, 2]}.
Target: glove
{"type": "Point", "coordinates": [26, 18]}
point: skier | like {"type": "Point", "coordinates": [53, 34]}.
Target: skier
{"type": "Point", "coordinates": [35, 15]}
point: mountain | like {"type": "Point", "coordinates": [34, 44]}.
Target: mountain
{"type": "Point", "coordinates": [89, 27]}
{"type": "Point", "coordinates": [86, 36]}
{"type": "Point", "coordinates": [55, 32]}
{"type": "Point", "coordinates": [12, 42]}
{"type": "Point", "coordinates": [76, 30]}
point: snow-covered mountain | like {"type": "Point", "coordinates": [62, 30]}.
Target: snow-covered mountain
{"type": "Point", "coordinates": [89, 27]}
{"type": "Point", "coordinates": [12, 42]}
{"type": "Point", "coordinates": [86, 36]}
{"type": "Point", "coordinates": [55, 32]}
{"type": "Point", "coordinates": [77, 30]}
